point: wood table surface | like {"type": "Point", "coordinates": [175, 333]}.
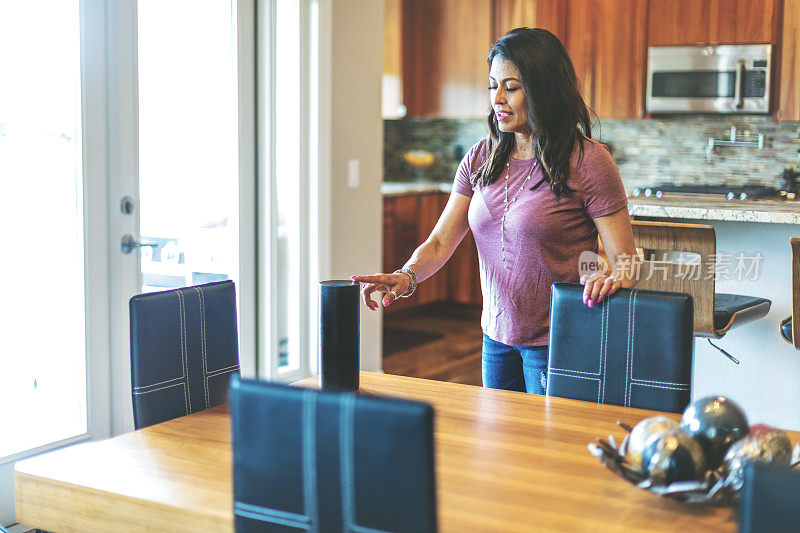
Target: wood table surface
{"type": "Point", "coordinates": [505, 461]}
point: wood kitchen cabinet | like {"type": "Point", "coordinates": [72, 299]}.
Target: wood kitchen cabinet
{"type": "Point", "coordinates": [407, 222]}
{"type": "Point", "coordinates": [789, 74]}
{"type": "Point", "coordinates": [620, 58]}
{"type": "Point", "coordinates": [690, 22]}
{"type": "Point", "coordinates": [605, 40]}
{"type": "Point", "coordinates": [444, 44]}
{"type": "Point", "coordinates": [444, 48]}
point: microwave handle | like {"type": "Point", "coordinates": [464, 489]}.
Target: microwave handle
{"type": "Point", "coordinates": [738, 90]}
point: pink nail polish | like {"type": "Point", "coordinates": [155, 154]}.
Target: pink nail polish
{"type": "Point", "coordinates": [591, 303]}
{"type": "Point", "coordinates": [584, 299]}
{"type": "Point", "coordinates": [600, 299]}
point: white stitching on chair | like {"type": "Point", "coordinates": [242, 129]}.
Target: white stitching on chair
{"type": "Point", "coordinates": [232, 367]}
{"type": "Point", "coordinates": [184, 357]}
{"type": "Point", "coordinates": [310, 457]}
{"type": "Point", "coordinates": [661, 382]}
{"type": "Point", "coordinates": [203, 347]}
{"type": "Point", "coordinates": [265, 514]}
{"type": "Point", "coordinates": [683, 388]}
{"type": "Point", "coordinates": [346, 415]}
{"type": "Point", "coordinates": [600, 359]}
{"type": "Point", "coordinates": [605, 349]}
{"type": "Point", "coordinates": [571, 370]}
{"type": "Point", "coordinates": [629, 358]}
{"type": "Point", "coordinates": [224, 371]}
{"type": "Point", "coordinates": [565, 374]}
{"type": "Point", "coordinates": [140, 387]}
{"type": "Point", "coordinates": [160, 388]}
{"type": "Point", "coordinates": [181, 341]}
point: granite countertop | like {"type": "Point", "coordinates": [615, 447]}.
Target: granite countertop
{"type": "Point", "coordinates": [769, 211]}
{"type": "Point", "coordinates": [399, 188]}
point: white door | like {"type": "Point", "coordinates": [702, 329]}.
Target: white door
{"type": "Point", "coordinates": [120, 122]}
{"type": "Point", "coordinates": [181, 161]}
{"type": "Point", "coordinates": [54, 333]}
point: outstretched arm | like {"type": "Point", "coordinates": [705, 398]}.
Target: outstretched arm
{"type": "Point", "coordinates": [427, 259]}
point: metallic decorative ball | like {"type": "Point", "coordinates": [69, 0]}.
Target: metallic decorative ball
{"type": "Point", "coordinates": [715, 422]}
{"type": "Point", "coordinates": [761, 446]}
{"type": "Point", "coordinates": [674, 456]}
{"type": "Point", "coordinates": [643, 433]}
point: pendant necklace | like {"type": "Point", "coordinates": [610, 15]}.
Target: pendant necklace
{"type": "Point", "coordinates": [506, 204]}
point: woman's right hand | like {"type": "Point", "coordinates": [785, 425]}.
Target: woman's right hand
{"type": "Point", "coordinates": [392, 285]}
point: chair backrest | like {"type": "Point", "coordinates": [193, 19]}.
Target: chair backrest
{"type": "Point", "coordinates": [795, 242]}
{"type": "Point", "coordinates": [663, 273]}
{"type": "Point", "coordinates": [184, 346]}
{"type": "Point", "coordinates": [633, 349]}
{"type": "Point", "coordinates": [330, 461]}
{"type": "Point", "coordinates": [768, 501]}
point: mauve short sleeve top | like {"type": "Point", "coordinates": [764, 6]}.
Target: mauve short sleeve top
{"type": "Point", "coordinates": [541, 238]}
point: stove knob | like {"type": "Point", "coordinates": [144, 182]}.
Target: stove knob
{"type": "Point", "coordinates": [731, 196]}
{"type": "Point", "coordinates": [636, 192]}
{"type": "Point", "coordinates": [658, 194]}
{"type": "Point", "coordinates": [648, 192]}
{"type": "Point", "coordinates": [743, 196]}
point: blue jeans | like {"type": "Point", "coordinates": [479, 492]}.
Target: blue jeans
{"type": "Point", "coordinates": [519, 368]}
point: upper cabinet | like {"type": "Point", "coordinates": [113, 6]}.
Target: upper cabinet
{"type": "Point", "coordinates": [789, 86]}
{"type": "Point", "coordinates": [444, 48]}
{"type": "Point", "coordinates": [620, 58]}
{"type": "Point", "coordinates": [688, 22]}
{"type": "Point", "coordinates": [605, 40]}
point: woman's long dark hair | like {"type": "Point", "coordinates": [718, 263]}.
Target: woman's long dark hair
{"type": "Point", "coordinates": [557, 114]}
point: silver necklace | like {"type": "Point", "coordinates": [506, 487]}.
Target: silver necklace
{"type": "Point", "coordinates": [505, 206]}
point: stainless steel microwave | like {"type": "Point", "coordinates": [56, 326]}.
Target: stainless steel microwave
{"type": "Point", "coordinates": [709, 79]}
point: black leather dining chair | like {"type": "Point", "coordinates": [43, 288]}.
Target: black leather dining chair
{"type": "Point", "coordinates": [768, 502]}
{"type": "Point", "coordinates": [330, 461]}
{"type": "Point", "coordinates": [184, 346]}
{"type": "Point", "coordinates": [634, 349]}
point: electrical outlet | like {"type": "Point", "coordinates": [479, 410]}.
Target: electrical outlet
{"type": "Point", "coordinates": [353, 173]}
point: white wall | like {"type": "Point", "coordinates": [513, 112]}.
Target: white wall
{"type": "Point", "coordinates": [356, 217]}
{"type": "Point", "coordinates": [767, 382]}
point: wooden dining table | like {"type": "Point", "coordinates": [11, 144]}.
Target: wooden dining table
{"type": "Point", "coordinates": [505, 461]}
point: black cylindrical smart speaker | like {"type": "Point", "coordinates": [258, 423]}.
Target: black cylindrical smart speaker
{"type": "Point", "coordinates": [339, 335]}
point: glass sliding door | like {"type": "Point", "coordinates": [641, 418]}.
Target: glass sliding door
{"type": "Point", "coordinates": [188, 142]}
{"type": "Point", "coordinates": [43, 395]}
{"type": "Point", "coordinates": [53, 210]}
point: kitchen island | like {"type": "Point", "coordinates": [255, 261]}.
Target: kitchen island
{"type": "Point", "coordinates": [765, 383]}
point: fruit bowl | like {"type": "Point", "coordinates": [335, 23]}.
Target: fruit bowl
{"type": "Point", "coordinates": [702, 459]}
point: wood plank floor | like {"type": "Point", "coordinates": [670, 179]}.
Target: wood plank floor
{"type": "Point", "coordinates": [455, 356]}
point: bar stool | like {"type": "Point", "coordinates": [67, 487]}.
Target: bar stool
{"type": "Point", "coordinates": [184, 347]}
{"type": "Point", "coordinates": [714, 313]}
{"type": "Point", "coordinates": [790, 326]}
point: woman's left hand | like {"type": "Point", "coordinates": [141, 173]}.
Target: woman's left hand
{"type": "Point", "coordinates": [598, 286]}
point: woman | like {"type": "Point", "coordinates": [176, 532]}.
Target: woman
{"type": "Point", "coordinates": [535, 195]}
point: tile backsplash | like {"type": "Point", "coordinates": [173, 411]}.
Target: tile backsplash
{"type": "Point", "coordinates": [647, 152]}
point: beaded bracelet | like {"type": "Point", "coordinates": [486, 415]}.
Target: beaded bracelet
{"type": "Point", "coordinates": [412, 276]}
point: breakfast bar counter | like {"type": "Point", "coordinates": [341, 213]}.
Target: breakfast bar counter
{"type": "Point", "coordinates": [711, 209]}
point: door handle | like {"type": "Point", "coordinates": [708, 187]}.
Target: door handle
{"type": "Point", "coordinates": [739, 88]}
{"type": "Point", "coordinates": [129, 244]}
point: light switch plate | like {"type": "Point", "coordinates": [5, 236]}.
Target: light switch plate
{"type": "Point", "coordinates": [353, 173]}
